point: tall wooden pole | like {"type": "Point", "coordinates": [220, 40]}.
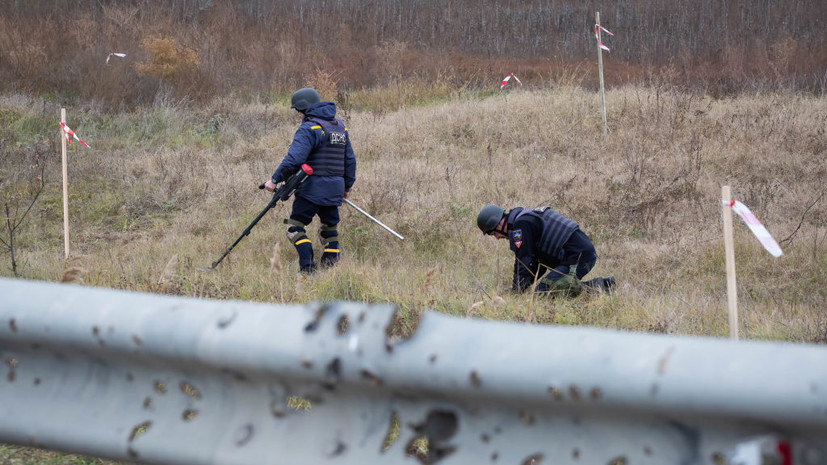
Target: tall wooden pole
{"type": "Point", "coordinates": [600, 69]}
{"type": "Point", "coordinates": [65, 187]}
{"type": "Point", "coordinates": [729, 252]}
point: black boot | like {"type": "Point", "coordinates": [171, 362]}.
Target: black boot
{"type": "Point", "coordinates": [606, 284]}
{"type": "Point", "coordinates": [308, 269]}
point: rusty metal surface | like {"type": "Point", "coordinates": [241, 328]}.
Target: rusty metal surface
{"type": "Point", "coordinates": [158, 379]}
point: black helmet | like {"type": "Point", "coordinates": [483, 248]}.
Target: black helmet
{"type": "Point", "coordinates": [303, 98]}
{"type": "Point", "coordinates": [489, 218]}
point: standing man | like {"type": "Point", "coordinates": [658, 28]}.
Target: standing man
{"type": "Point", "coordinates": [544, 241]}
{"type": "Point", "coordinates": [323, 143]}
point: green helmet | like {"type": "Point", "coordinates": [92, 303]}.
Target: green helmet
{"type": "Point", "coordinates": [303, 98]}
{"type": "Point", "coordinates": [489, 218]}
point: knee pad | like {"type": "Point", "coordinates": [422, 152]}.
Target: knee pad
{"type": "Point", "coordinates": [328, 233]}
{"type": "Point", "coordinates": [296, 232]}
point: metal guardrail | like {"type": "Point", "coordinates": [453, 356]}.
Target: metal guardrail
{"type": "Point", "coordinates": [158, 379]}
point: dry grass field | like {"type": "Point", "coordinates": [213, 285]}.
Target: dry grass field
{"type": "Point", "coordinates": [164, 190]}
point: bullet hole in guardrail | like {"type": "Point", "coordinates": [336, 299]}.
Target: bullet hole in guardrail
{"type": "Point", "coordinates": [485, 438]}
{"type": "Point", "coordinates": [243, 435]}
{"type": "Point", "coordinates": [430, 444]}
{"type": "Point", "coordinates": [13, 325]}
{"type": "Point", "coordinates": [575, 453]}
{"type": "Point", "coordinates": [317, 319]}
{"type": "Point", "coordinates": [160, 388]}
{"type": "Point", "coordinates": [277, 409]}
{"type": "Point", "coordinates": [595, 393]}
{"type": "Point", "coordinates": [137, 339]}
{"type": "Point", "coordinates": [95, 331]}
{"type": "Point", "coordinates": [526, 418]}
{"type": "Point", "coordinates": [237, 375]}
{"type": "Point", "coordinates": [303, 403]}
{"type": "Point", "coordinates": [555, 392]}
{"type": "Point", "coordinates": [189, 414]}
{"type": "Point", "coordinates": [343, 325]}
{"type": "Point", "coordinates": [494, 456]}
{"type": "Point", "coordinates": [35, 346]}
{"type": "Point", "coordinates": [190, 390]}
{"type": "Point", "coordinates": [225, 321]}
{"type": "Point", "coordinates": [147, 402]}
{"type": "Point", "coordinates": [333, 373]}
{"type": "Point", "coordinates": [12, 363]}
{"type": "Point", "coordinates": [533, 459]}
{"type": "Point", "coordinates": [418, 449]}
{"type": "Point", "coordinates": [574, 392]}
{"type": "Point", "coordinates": [37, 381]}
{"type": "Point", "coordinates": [369, 375]}
{"type": "Point", "coordinates": [432, 358]}
{"type": "Point", "coordinates": [139, 430]}
{"type": "Point", "coordinates": [362, 317]}
{"type": "Point", "coordinates": [664, 360]}
{"type": "Point", "coordinates": [647, 450]}
{"type": "Point", "coordinates": [618, 461]}
{"type": "Point", "coordinates": [653, 391]}
{"type": "Point", "coordinates": [476, 381]}
{"type": "Point", "coordinates": [130, 377]}
{"type": "Point", "coordinates": [338, 449]}
{"type": "Point", "coordinates": [402, 326]}
{"type": "Point", "coordinates": [392, 435]}
{"type": "Point", "coordinates": [441, 425]}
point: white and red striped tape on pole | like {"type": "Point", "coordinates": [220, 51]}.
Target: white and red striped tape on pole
{"type": "Point", "coordinates": [756, 227]}
{"type": "Point", "coordinates": [67, 131]}
{"type": "Point", "coordinates": [121, 55]}
{"type": "Point", "coordinates": [597, 29]}
{"type": "Point", "coordinates": [506, 79]}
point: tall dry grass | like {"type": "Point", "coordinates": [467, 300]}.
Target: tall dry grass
{"type": "Point", "coordinates": [172, 181]}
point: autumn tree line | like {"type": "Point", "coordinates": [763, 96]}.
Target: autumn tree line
{"type": "Point", "coordinates": [199, 48]}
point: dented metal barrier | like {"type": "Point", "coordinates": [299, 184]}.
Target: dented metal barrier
{"type": "Point", "coordinates": [158, 379]}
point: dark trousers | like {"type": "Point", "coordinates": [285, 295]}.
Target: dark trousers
{"type": "Point", "coordinates": [304, 210]}
{"type": "Point", "coordinates": [579, 251]}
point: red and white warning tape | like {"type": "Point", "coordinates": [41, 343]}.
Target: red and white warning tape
{"type": "Point", "coordinates": [756, 227]}
{"type": "Point", "coordinates": [114, 54]}
{"type": "Point", "coordinates": [67, 131]}
{"type": "Point", "coordinates": [509, 77]}
{"type": "Point", "coordinates": [597, 29]}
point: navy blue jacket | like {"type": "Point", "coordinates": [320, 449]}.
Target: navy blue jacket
{"type": "Point", "coordinates": [320, 189]}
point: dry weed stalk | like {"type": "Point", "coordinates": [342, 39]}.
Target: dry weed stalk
{"type": "Point", "coordinates": [426, 286]}
{"type": "Point", "coordinates": [275, 260]}
{"type": "Point", "coordinates": [300, 285]}
{"type": "Point", "coordinates": [168, 280]}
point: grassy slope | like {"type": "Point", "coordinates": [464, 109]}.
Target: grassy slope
{"type": "Point", "coordinates": [170, 181]}
{"type": "Point", "coordinates": [163, 191]}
